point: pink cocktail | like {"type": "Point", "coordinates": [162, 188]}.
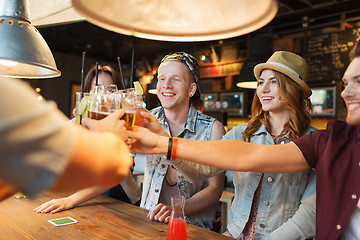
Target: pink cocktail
{"type": "Point", "coordinates": [176, 229]}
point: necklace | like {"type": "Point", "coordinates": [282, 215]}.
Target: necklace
{"type": "Point", "coordinates": [170, 185]}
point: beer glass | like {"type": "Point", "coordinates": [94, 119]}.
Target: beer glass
{"type": "Point", "coordinates": [112, 88]}
{"type": "Point", "coordinates": [132, 104]}
{"type": "Point", "coordinates": [99, 104]}
{"type": "Point", "coordinates": [129, 103]}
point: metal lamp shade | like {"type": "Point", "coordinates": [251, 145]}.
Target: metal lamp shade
{"type": "Point", "coordinates": [259, 50]}
{"type": "Point", "coordinates": [23, 51]}
{"type": "Point", "coordinates": [178, 20]}
{"type": "Point", "coordinates": [152, 85]}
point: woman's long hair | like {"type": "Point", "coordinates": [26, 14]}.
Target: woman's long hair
{"type": "Point", "coordinates": [101, 69]}
{"type": "Point", "coordinates": [294, 100]}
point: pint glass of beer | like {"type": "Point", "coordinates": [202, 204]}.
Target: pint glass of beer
{"type": "Point", "coordinates": [99, 104]}
{"type": "Point", "coordinates": [128, 103]}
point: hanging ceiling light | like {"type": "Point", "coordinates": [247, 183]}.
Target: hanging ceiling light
{"type": "Point", "coordinates": [260, 49]}
{"type": "Point", "coordinates": [152, 85]}
{"type": "Point", "coordinates": [23, 51]}
{"type": "Point", "coordinates": [178, 20]}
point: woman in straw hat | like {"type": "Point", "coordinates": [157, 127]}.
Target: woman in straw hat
{"type": "Point", "coordinates": [279, 206]}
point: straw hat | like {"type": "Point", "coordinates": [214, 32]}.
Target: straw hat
{"type": "Point", "coordinates": [290, 64]}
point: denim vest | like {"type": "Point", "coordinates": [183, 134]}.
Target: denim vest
{"type": "Point", "coordinates": [198, 126]}
{"type": "Point", "coordinates": [281, 196]}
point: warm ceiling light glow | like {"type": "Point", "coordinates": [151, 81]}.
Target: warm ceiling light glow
{"type": "Point", "coordinates": [152, 91]}
{"type": "Point", "coordinates": [248, 84]}
{"type": "Point", "coordinates": [8, 63]}
{"type": "Point", "coordinates": [39, 98]}
{"type": "Point", "coordinates": [179, 20]}
{"type": "Point", "coordinates": [37, 89]}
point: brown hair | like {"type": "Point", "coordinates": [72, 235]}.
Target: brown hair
{"type": "Point", "coordinates": [294, 100]}
{"type": "Point", "coordinates": [101, 69]}
{"type": "Point", "coordinates": [355, 52]}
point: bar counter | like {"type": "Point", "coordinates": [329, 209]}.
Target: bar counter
{"type": "Point", "coordinates": [100, 218]}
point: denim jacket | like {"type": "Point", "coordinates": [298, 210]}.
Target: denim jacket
{"type": "Point", "coordinates": [287, 202]}
{"type": "Point", "coordinates": [198, 126]}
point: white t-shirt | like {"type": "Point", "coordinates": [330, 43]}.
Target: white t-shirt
{"type": "Point", "coordinates": [352, 230]}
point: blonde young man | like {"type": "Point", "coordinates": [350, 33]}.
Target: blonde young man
{"type": "Point", "coordinates": [178, 75]}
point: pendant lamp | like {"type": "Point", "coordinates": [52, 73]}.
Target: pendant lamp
{"type": "Point", "coordinates": [260, 48]}
{"type": "Point", "coordinates": [23, 51]}
{"type": "Point", "coordinates": [152, 85]}
{"type": "Point", "coordinates": [178, 20]}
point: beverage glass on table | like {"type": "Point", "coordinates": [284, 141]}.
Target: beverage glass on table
{"type": "Point", "coordinates": [20, 195]}
{"type": "Point", "coordinates": [177, 224]}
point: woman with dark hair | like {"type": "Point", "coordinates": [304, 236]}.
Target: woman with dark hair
{"type": "Point", "coordinates": [128, 191]}
{"type": "Point", "coordinates": [106, 76]}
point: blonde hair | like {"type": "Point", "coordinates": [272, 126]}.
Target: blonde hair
{"type": "Point", "coordinates": [294, 100]}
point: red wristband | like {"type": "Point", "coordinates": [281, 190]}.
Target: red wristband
{"type": "Point", "coordinates": [173, 150]}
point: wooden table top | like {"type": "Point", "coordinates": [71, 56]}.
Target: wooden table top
{"type": "Point", "coordinates": [101, 218]}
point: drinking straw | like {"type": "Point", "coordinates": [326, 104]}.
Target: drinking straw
{"type": "Point", "coordinates": [121, 73]}
{"type": "Point", "coordinates": [82, 72]}
{"type": "Point", "coordinates": [96, 74]}
{"type": "Point", "coordinates": [82, 79]}
{"type": "Point", "coordinates": [133, 65]}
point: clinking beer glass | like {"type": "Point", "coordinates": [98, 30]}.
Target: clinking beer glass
{"type": "Point", "coordinates": [102, 102]}
{"type": "Point", "coordinates": [132, 104]}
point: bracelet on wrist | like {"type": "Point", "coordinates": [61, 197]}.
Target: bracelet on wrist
{"type": "Point", "coordinates": [170, 145]}
{"type": "Point", "coordinates": [173, 149]}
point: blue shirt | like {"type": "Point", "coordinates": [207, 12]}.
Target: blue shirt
{"type": "Point", "coordinates": [287, 202]}
{"type": "Point", "coordinates": [198, 126]}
